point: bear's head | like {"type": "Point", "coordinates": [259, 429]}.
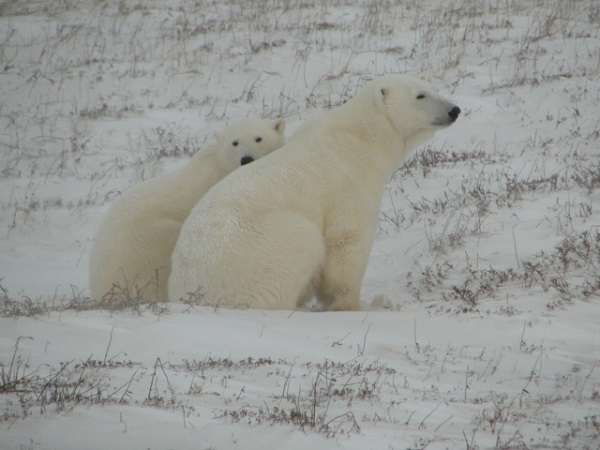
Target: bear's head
{"type": "Point", "coordinates": [249, 139]}
{"type": "Point", "coordinates": [413, 106]}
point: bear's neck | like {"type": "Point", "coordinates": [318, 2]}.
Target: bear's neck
{"type": "Point", "coordinates": [193, 179]}
{"type": "Point", "coordinates": [415, 141]}
{"type": "Point", "coordinates": [378, 145]}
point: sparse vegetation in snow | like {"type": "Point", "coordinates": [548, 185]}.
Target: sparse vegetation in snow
{"type": "Point", "coordinates": [484, 278]}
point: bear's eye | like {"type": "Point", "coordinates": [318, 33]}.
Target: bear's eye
{"type": "Point", "coordinates": [235, 143]}
{"type": "Point", "coordinates": [420, 96]}
{"type": "Point", "coordinates": [258, 139]}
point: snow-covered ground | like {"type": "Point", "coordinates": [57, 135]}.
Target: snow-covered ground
{"type": "Point", "coordinates": [481, 326]}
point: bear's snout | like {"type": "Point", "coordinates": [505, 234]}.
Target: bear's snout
{"type": "Point", "coordinates": [454, 112]}
{"type": "Point", "coordinates": [245, 160]}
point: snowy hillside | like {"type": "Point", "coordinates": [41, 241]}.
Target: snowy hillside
{"type": "Point", "coordinates": [481, 326]}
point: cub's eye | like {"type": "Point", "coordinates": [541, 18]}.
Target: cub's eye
{"type": "Point", "coordinates": [235, 143]}
{"type": "Point", "coordinates": [258, 139]}
{"type": "Point", "coordinates": [420, 96]}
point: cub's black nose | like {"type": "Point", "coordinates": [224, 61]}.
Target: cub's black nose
{"type": "Point", "coordinates": [245, 160]}
{"type": "Point", "coordinates": [454, 112]}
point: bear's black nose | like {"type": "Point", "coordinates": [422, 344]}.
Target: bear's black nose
{"type": "Point", "coordinates": [454, 112]}
{"type": "Point", "coordinates": [246, 159]}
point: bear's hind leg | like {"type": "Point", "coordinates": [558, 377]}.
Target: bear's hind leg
{"type": "Point", "coordinates": [283, 257]}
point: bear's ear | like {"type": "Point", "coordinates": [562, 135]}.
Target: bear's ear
{"type": "Point", "coordinates": [279, 125]}
{"type": "Point", "coordinates": [219, 135]}
{"type": "Point", "coordinates": [381, 95]}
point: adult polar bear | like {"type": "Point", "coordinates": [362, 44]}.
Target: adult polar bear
{"type": "Point", "coordinates": [301, 222]}
{"type": "Point", "coordinates": [131, 255]}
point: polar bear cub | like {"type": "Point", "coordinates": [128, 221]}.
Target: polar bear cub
{"type": "Point", "coordinates": [131, 254]}
{"type": "Point", "coordinates": [301, 222]}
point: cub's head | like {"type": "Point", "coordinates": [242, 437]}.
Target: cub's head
{"type": "Point", "coordinates": [249, 139]}
{"type": "Point", "coordinates": [413, 106]}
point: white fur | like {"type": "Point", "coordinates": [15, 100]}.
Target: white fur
{"type": "Point", "coordinates": [301, 222]}
{"type": "Point", "coordinates": [131, 255]}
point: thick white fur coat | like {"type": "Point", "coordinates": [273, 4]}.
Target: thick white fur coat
{"type": "Point", "coordinates": [300, 222]}
{"type": "Point", "coordinates": [131, 254]}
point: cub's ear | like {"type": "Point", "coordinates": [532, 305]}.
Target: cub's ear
{"type": "Point", "coordinates": [423, 76]}
{"type": "Point", "coordinates": [278, 125]}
